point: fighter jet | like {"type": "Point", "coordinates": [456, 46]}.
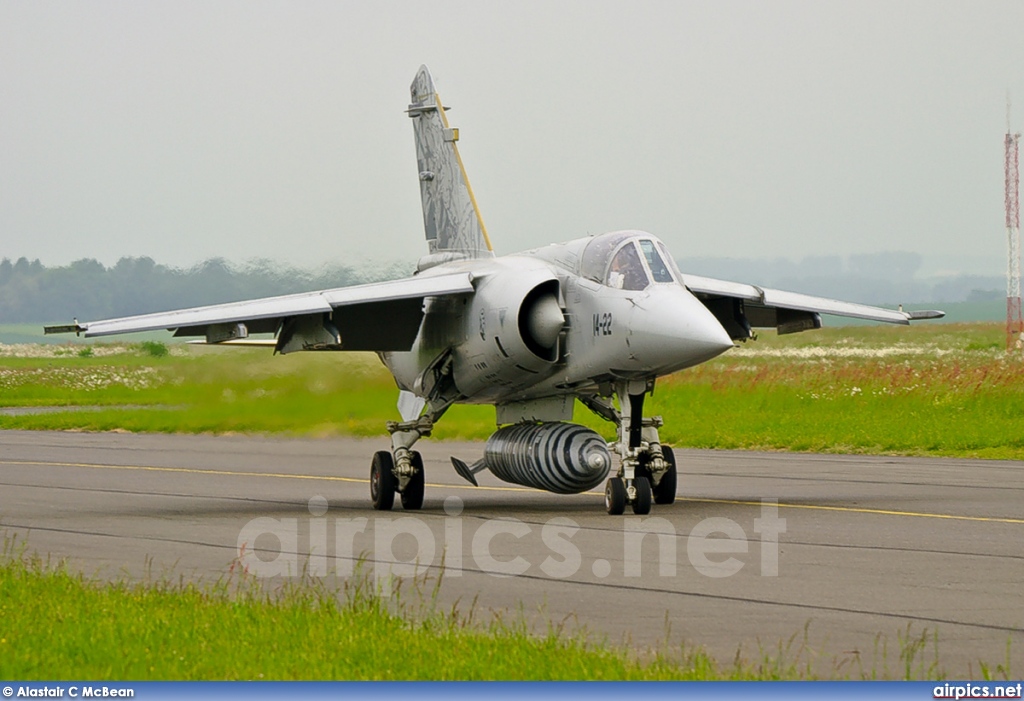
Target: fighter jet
{"type": "Point", "coordinates": [596, 319]}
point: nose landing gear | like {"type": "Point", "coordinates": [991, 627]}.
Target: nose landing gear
{"type": "Point", "coordinates": [647, 469]}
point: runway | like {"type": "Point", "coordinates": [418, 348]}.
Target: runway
{"type": "Point", "coordinates": [760, 547]}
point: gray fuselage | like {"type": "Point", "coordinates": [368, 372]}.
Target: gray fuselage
{"type": "Point", "coordinates": [609, 334]}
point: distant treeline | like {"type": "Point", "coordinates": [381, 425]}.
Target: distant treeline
{"type": "Point", "coordinates": [88, 290]}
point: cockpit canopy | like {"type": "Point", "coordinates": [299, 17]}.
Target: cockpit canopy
{"type": "Point", "coordinates": [628, 260]}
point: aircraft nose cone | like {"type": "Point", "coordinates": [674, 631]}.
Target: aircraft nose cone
{"type": "Point", "coordinates": [672, 330]}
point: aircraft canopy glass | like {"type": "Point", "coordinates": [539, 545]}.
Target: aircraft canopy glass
{"type": "Point", "coordinates": [626, 271]}
{"type": "Point", "coordinates": [626, 260]}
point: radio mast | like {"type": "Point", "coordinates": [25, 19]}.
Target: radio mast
{"type": "Point", "coordinates": [1014, 322]}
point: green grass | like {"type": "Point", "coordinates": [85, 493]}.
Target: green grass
{"type": "Point", "coordinates": [957, 394]}
{"type": "Point", "coordinates": [60, 626]}
{"type": "Point", "coordinates": [216, 390]}
{"type": "Point", "coordinates": [932, 389]}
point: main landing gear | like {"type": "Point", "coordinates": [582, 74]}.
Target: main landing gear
{"type": "Point", "coordinates": [400, 470]}
{"type": "Point", "coordinates": [384, 484]}
{"type": "Point", "coordinates": [647, 469]}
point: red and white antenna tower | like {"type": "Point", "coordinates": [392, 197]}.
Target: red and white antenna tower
{"type": "Point", "coordinates": [1014, 322]}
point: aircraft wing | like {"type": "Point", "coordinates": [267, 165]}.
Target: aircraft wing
{"type": "Point", "coordinates": [738, 304]}
{"type": "Point", "coordinates": [381, 316]}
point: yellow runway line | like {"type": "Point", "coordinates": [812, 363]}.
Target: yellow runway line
{"type": "Point", "coordinates": [859, 510]}
{"type": "Point", "coordinates": [357, 480]}
{"type": "Point", "coordinates": [241, 473]}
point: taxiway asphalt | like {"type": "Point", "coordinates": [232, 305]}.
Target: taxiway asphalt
{"type": "Point", "coordinates": [845, 555]}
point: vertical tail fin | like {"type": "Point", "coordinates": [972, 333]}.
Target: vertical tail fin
{"type": "Point", "coordinates": [451, 217]}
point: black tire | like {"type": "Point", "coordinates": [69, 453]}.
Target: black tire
{"type": "Point", "coordinates": [382, 481]}
{"type": "Point", "coordinates": [642, 470]}
{"type": "Point", "coordinates": [412, 495]}
{"type": "Point", "coordinates": [615, 496]}
{"type": "Point", "coordinates": [642, 503]}
{"type": "Point", "coordinates": [665, 491]}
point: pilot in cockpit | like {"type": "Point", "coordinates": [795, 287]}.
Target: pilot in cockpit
{"type": "Point", "coordinates": [626, 272]}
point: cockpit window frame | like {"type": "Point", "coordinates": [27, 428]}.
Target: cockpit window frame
{"type": "Point", "coordinates": [666, 269]}
{"type": "Point", "coordinates": [670, 261]}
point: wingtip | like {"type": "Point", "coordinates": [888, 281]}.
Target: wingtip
{"type": "Point", "coordinates": [75, 328]}
{"type": "Point", "coordinates": [925, 314]}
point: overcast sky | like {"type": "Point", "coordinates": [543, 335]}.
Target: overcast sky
{"type": "Point", "coordinates": [186, 130]}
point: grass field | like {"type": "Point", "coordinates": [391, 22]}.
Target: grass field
{"type": "Point", "coordinates": [939, 389]}
{"type": "Point", "coordinates": [59, 625]}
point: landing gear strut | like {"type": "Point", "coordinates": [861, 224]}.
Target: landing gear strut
{"type": "Point", "coordinates": [401, 470]}
{"type": "Point", "coordinates": [647, 469]}
{"type": "Point", "coordinates": [412, 495]}
{"type": "Point", "coordinates": [665, 490]}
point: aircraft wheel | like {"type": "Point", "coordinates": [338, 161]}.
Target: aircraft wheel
{"type": "Point", "coordinates": [665, 491]}
{"type": "Point", "coordinates": [615, 496]}
{"type": "Point", "coordinates": [642, 470]}
{"type": "Point", "coordinates": [382, 481]}
{"type": "Point", "coordinates": [642, 503]}
{"type": "Point", "coordinates": [412, 495]}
